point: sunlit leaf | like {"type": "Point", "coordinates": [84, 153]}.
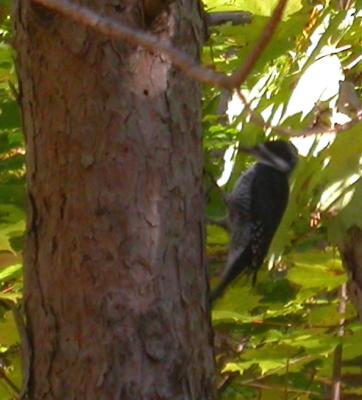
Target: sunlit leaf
{"type": "Point", "coordinates": [317, 270]}
{"type": "Point", "coordinates": [10, 272]}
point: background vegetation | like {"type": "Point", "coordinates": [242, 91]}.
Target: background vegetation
{"type": "Point", "coordinates": [294, 333]}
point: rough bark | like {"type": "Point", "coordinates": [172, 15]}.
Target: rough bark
{"type": "Point", "coordinates": [115, 281]}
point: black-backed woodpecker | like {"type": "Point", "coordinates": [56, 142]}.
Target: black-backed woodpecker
{"type": "Point", "coordinates": [256, 207]}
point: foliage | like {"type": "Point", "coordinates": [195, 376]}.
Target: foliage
{"type": "Point", "coordinates": [278, 339]}
{"type": "Point", "coordinates": [12, 213]}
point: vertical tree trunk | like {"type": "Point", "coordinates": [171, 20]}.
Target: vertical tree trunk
{"type": "Point", "coordinates": [115, 282]}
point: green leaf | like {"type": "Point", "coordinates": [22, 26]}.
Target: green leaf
{"type": "Point", "coordinates": [8, 331]}
{"type": "Point", "coordinates": [9, 115]}
{"type": "Point", "coordinates": [344, 158]}
{"type": "Point", "coordinates": [348, 216]}
{"type": "Point", "coordinates": [317, 270]}
{"type": "Point", "coordinates": [9, 231]}
{"type": "Point", "coordinates": [10, 272]}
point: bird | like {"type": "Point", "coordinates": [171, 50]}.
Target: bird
{"type": "Point", "coordinates": [256, 206]}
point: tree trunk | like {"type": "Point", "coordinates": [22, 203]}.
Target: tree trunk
{"type": "Point", "coordinates": [115, 281]}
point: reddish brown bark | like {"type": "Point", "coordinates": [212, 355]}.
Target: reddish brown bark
{"type": "Point", "coordinates": [115, 282]}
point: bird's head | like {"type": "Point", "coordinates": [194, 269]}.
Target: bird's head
{"type": "Point", "coordinates": [278, 154]}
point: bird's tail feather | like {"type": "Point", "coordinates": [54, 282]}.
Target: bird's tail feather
{"type": "Point", "coordinates": [239, 264]}
{"type": "Point", "coordinates": [218, 292]}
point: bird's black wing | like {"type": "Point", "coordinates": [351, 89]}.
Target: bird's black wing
{"type": "Point", "coordinates": [240, 227]}
{"type": "Point", "coordinates": [270, 192]}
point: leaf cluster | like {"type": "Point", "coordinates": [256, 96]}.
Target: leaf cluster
{"type": "Point", "coordinates": [12, 213]}
{"type": "Point", "coordinates": [279, 339]}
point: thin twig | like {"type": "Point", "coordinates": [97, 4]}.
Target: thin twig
{"type": "Point", "coordinates": [334, 51]}
{"type": "Point", "coordinates": [299, 326]}
{"type": "Point", "coordinates": [8, 381]}
{"type": "Point", "coordinates": [254, 381]}
{"type": "Point", "coordinates": [337, 361]}
{"type": "Point", "coordinates": [309, 384]}
{"type": "Point", "coordinates": [275, 370]}
{"type": "Point", "coordinates": [240, 76]}
{"type": "Point", "coordinates": [335, 129]}
{"type": "Point", "coordinates": [136, 37]}
{"type": "Point", "coordinates": [257, 119]}
{"type": "Point", "coordinates": [282, 388]}
{"type": "Point", "coordinates": [235, 17]}
{"type": "Point", "coordinates": [228, 379]}
{"type": "Point", "coordinates": [286, 388]}
{"type": "Point", "coordinates": [191, 68]}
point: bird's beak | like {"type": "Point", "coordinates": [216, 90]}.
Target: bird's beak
{"type": "Point", "coordinates": [263, 155]}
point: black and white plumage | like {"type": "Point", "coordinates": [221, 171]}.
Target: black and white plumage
{"type": "Point", "coordinates": [256, 207]}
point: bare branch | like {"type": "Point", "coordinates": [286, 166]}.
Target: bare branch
{"type": "Point", "coordinates": [8, 381]}
{"type": "Point", "coordinates": [335, 129]}
{"type": "Point", "coordinates": [235, 17]}
{"type": "Point", "coordinates": [337, 361]}
{"type": "Point", "coordinates": [257, 119]}
{"type": "Point", "coordinates": [228, 379]}
{"type": "Point", "coordinates": [281, 388]}
{"type": "Point", "coordinates": [190, 67]}
{"type": "Point", "coordinates": [152, 43]}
